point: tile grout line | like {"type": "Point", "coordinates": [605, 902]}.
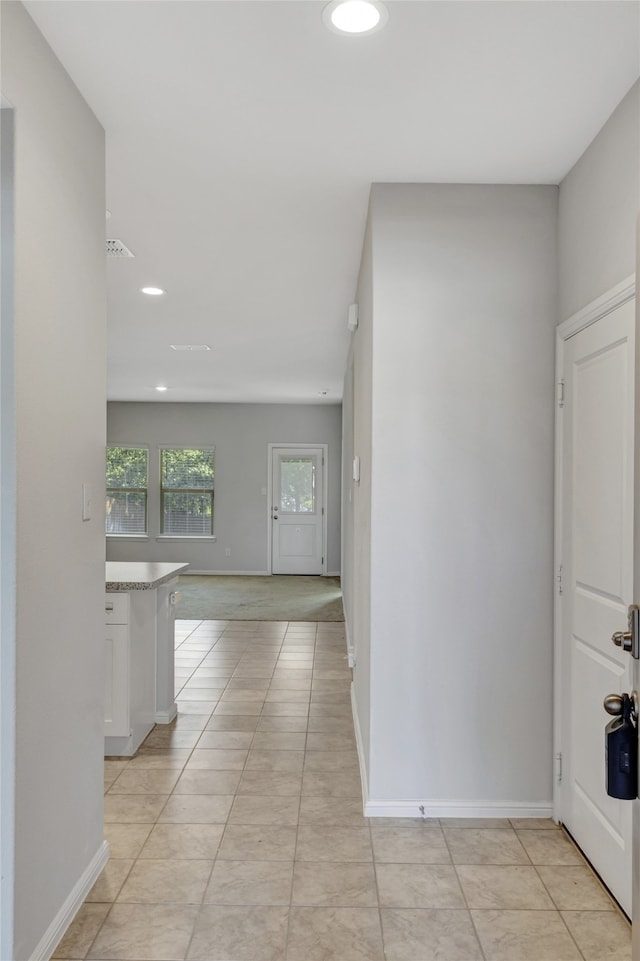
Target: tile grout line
{"type": "Point", "coordinates": [295, 848]}
{"type": "Point", "coordinates": [375, 878]}
{"type": "Point", "coordinates": [226, 823]}
{"type": "Point", "coordinates": [464, 896]}
{"type": "Point", "coordinates": [215, 857]}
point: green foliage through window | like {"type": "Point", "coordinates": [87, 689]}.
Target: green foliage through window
{"type": "Point", "coordinates": [297, 485]}
{"type": "Point", "coordinates": [127, 479]}
{"type": "Point", "coordinates": [186, 491]}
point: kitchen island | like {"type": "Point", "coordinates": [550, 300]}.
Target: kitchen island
{"type": "Point", "coordinates": [140, 616]}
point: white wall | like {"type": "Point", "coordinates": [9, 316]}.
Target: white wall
{"type": "Point", "coordinates": [463, 323]}
{"type": "Point", "coordinates": [240, 434]}
{"type": "Point", "coordinates": [347, 491]}
{"type": "Point", "coordinates": [60, 428]}
{"type": "Point", "coordinates": [599, 200]}
{"type": "Point", "coordinates": [356, 581]}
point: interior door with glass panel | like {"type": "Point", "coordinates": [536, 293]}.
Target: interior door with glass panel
{"type": "Point", "coordinates": [297, 508]}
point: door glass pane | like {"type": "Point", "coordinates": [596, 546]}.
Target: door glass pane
{"type": "Point", "coordinates": [298, 485]}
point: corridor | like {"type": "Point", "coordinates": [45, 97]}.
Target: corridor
{"type": "Point", "coordinates": [237, 834]}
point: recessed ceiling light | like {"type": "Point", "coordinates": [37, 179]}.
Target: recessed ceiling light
{"type": "Point", "coordinates": [152, 291]}
{"type": "Point", "coordinates": [162, 388]}
{"type": "Point", "coordinates": [355, 16]}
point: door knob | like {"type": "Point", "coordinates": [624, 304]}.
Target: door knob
{"type": "Point", "coordinates": [623, 639]}
{"type": "Point", "coordinates": [614, 703]}
{"type": "Point", "coordinates": [275, 517]}
{"type": "Point", "coordinates": [629, 640]}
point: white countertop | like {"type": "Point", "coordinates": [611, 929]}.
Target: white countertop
{"type": "Point", "coordinates": [139, 575]}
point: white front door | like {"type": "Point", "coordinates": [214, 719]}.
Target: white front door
{"type": "Point", "coordinates": [297, 510]}
{"type": "Point", "coordinates": [635, 949]}
{"type": "Point", "coordinates": [597, 581]}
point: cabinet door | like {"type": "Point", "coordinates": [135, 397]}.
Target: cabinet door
{"type": "Point", "coordinates": [116, 704]}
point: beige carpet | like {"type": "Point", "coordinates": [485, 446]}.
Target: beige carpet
{"type": "Point", "coordinates": [275, 598]}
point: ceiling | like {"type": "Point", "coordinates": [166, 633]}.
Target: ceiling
{"type": "Point", "coordinates": [243, 137]}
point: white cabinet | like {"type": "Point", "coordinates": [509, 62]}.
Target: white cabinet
{"type": "Point", "coordinates": [129, 671]}
{"type": "Point", "coordinates": [116, 702]}
{"type": "Point", "coordinates": [166, 707]}
{"type": "Point", "coordinates": [139, 652]}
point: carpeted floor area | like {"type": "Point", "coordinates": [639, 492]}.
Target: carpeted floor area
{"type": "Point", "coordinates": [274, 598]}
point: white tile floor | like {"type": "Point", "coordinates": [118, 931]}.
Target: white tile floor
{"type": "Point", "coordinates": [237, 834]}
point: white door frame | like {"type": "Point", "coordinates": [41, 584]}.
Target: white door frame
{"type": "Point", "coordinates": [635, 849]}
{"type": "Point", "coordinates": [325, 474]}
{"type": "Point", "coordinates": [590, 314]}
{"type": "Point", "coordinates": [7, 534]}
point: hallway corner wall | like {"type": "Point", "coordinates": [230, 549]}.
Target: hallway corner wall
{"type": "Point", "coordinates": [460, 412]}
{"type": "Point", "coordinates": [59, 420]}
{"type": "Point", "coordinates": [357, 508]}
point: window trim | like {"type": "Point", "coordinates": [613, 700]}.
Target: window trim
{"type": "Point", "coordinates": [163, 535]}
{"type": "Point", "coordinates": [134, 535]}
{"type": "Point", "coordinates": [186, 537]}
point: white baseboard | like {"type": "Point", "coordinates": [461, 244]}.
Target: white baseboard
{"type": "Point", "coordinates": [351, 651]}
{"type": "Point", "coordinates": [56, 930]}
{"type": "Point", "coordinates": [332, 574]}
{"type": "Point", "coordinates": [360, 750]}
{"type": "Point", "coordinates": [166, 717]}
{"type": "Point", "coordinates": [440, 808]}
{"type": "Point", "coordinates": [457, 809]}
{"type": "Point", "coordinates": [234, 573]}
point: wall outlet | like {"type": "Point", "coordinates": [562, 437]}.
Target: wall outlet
{"type": "Point", "coordinates": [227, 552]}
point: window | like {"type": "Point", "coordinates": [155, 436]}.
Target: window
{"type": "Point", "coordinates": [298, 485]}
{"type": "Point", "coordinates": [186, 492]}
{"type": "Point", "coordinates": [127, 472]}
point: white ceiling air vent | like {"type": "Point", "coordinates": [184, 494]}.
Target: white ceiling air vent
{"type": "Point", "coordinates": [115, 248]}
{"type": "Point", "coordinates": [190, 347]}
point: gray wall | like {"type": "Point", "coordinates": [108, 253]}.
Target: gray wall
{"type": "Point", "coordinates": [7, 533]}
{"type": "Point", "coordinates": [599, 201]}
{"type": "Point", "coordinates": [347, 491]}
{"type": "Point", "coordinates": [356, 580]}
{"type": "Point", "coordinates": [240, 434]}
{"type": "Point", "coordinates": [59, 369]}
{"type": "Point", "coordinates": [463, 317]}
